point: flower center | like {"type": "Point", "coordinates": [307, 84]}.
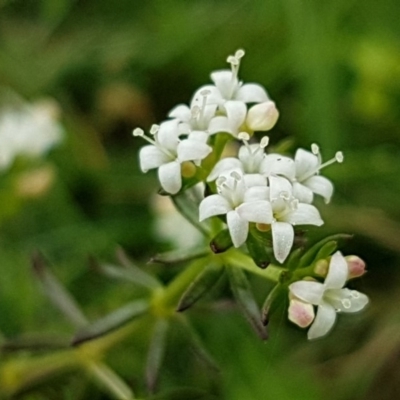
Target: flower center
{"type": "Point", "coordinates": [251, 163]}
{"type": "Point", "coordinates": [235, 65]}
{"type": "Point", "coordinates": [198, 112]}
{"type": "Point", "coordinates": [231, 188]}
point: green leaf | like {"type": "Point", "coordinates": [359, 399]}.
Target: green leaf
{"type": "Point", "coordinates": [268, 306]}
{"type": "Point", "coordinates": [184, 394]}
{"type": "Point", "coordinates": [201, 285]}
{"type": "Point", "coordinates": [294, 259]}
{"type": "Point", "coordinates": [156, 353]}
{"type": "Point", "coordinates": [326, 250]}
{"type": "Point", "coordinates": [244, 296]}
{"type": "Point", "coordinates": [56, 292]}
{"type": "Point", "coordinates": [34, 343]}
{"type": "Point", "coordinates": [111, 321]}
{"type": "Point", "coordinates": [179, 256]}
{"type": "Point", "coordinates": [310, 255]}
{"type": "Point", "coordinates": [259, 252]}
{"type": "Point", "coordinates": [221, 242]}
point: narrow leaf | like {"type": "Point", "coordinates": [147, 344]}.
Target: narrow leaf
{"type": "Point", "coordinates": [34, 343]}
{"type": "Point", "coordinates": [156, 353]}
{"type": "Point", "coordinates": [326, 250]}
{"type": "Point", "coordinates": [267, 307]}
{"type": "Point", "coordinates": [111, 321]}
{"type": "Point", "coordinates": [107, 378]}
{"type": "Point", "coordinates": [56, 292]}
{"type": "Point", "coordinates": [179, 256]}
{"type": "Point", "coordinates": [201, 285]}
{"type": "Point", "coordinates": [244, 296]}
{"type": "Point", "coordinates": [294, 259]}
{"type": "Point", "coordinates": [310, 254]}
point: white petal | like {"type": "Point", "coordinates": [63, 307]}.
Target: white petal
{"type": "Point", "coordinates": [308, 291]}
{"type": "Point", "coordinates": [302, 193]}
{"type": "Point", "coordinates": [305, 214]}
{"type": "Point", "coordinates": [337, 273]}
{"type": "Point", "coordinates": [192, 150]}
{"type": "Point", "coordinates": [346, 300]}
{"type": "Point", "coordinates": [220, 124]}
{"type": "Point", "coordinates": [252, 93]}
{"type": "Point", "coordinates": [168, 133]}
{"type": "Point", "coordinates": [320, 185]}
{"type": "Point", "coordinates": [256, 193]}
{"type": "Point", "coordinates": [224, 165]}
{"type": "Point", "coordinates": [213, 97]}
{"type": "Point", "coordinates": [238, 228]}
{"type": "Point", "coordinates": [236, 113]}
{"type": "Point", "coordinates": [258, 211]}
{"type": "Point", "coordinates": [254, 180]}
{"type": "Point", "coordinates": [213, 205]}
{"type": "Point", "coordinates": [282, 236]}
{"type": "Point", "coordinates": [170, 177]}
{"type": "Point", "coordinates": [223, 81]}
{"type": "Point", "coordinates": [152, 157]}
{"type": "Point", "coordinates": [323, 322]}
{"type": "Point", "coordinates": [200, 136]}
{"type": "Point", "coordinates": [306, 163]}
{"type": "Point", "coordinates": [182, 112]}
{"type": "Point", "coordinates": [279, 185]}
{"type": "Point", "coordinates": [275, 164]}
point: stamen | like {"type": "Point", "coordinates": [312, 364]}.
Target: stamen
{"type": "Point", "coordinates": [220, 180]}
{"type": "Point", "coordinates": [264, 142]}
{"type": "Point", "coordinates": [195, 111]}
{"type": "Point", "coordinates": [204, 93]}
{"type": "Point", "coordinates": [154, 129]}
{"type": "Point", "coordinates": [235, 64]}
{"type": "Point", "coordinates": [138, 132]}
{"type": "Point", "coordinates": [235, 175]}
{"type": "Point", "coordinates": [239, 54]}
{"type": "Point", "coordinates": [244, 136]}
{"type": "Point", "coordinates": [339, 157]}
{"type": "Point", "coordinates": [315, 148]}
{"type": "Point", "coordinates": [284, 195]}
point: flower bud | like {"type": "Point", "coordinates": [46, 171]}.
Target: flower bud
{"type": "Point", "coordinates": [356, 266]}
{"type": "Point", "coordinates": [262, 116]}
{"type": "Point", "coordinates": [321, 268]}
{"type": "Point", "coordinates": [301, 313]}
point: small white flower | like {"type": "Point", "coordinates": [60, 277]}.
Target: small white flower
{"type": "Point", "coordinates": [288, 211]}
{"type": "Point", "coordinates": [240, 204]}
{"type": "Point", "coordinates": [232, 122]}
{"type": "Point", "coordinates": [166, 152]}
{"type": "Point", "coordinates": [307, 181]}
{"type": "Point", "coordinates": [330, 296]}
{"type": "Point", "coordinates": [250, 158]}
{"type": "Point", "coordinates": [301, 313]}
{"type": "Point", "coordinates": [228, 87]}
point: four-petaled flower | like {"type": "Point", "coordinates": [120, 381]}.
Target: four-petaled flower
{"type": "Point", "coordinates": [330, 296]}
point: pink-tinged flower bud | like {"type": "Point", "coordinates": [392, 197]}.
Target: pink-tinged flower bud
{"type": "Point", "coordinates": [356, 266]}
{"type": "Point", "coordinates": [301, 313]}
{"type": "Point", "coordinates": [321, 268]}
{"type": "Point", "coordinates": [262, 116]}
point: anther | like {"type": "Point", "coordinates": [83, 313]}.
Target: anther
{"type": "Point", "coordinates": [154, 129]}
{"type": "Point", "coordinates": [244, 136]}
{"type": "Point", "coordinates": [236, 175]}
{"type": "Point", "coordinates": [138, 132]}
{"type": "Point", "coordinates": [232, 60]}
{"type": "Point", "coordinates": [239, 53]}
{"type": "Point", "coordinates": [264, 142]}
{"type": "Point", "coordinates": [205, 92]}
{"type": "Point", "coordinates": [220, 180]}
{"type": "Point", "coordinates": [339, 157]}
{"type": "Point", "coordinates": [315, 148]}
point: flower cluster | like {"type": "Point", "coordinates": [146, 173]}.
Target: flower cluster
{"type": "Point", "coordinates": [271, 190]}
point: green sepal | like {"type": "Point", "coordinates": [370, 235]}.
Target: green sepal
{"type": "Point", "coordinates": [201, 285]}
{"type": "Point", "coordinates": [221, 242]}
{"type": "Point", "coordinates": [294, 259]}
{"type": "Point", "coordinates": [269, 304]}
{"type": "Point", "coordinates": [110, 322]}
{"type": "Point", "coordinates": [326, 250]}
{"type": "Point", "coordinates": [179, 256]}
{"type": "Point", "coordinates": [310, 255]}
{"type": "Point", "coordinates": [156, 353]}
{"type": "Point", "coordinates": [243, 294]}
{"type": "Point", "coordinates": [258, 250]}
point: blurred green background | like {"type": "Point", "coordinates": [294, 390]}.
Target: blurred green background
{"type": "Point", "coordinates": [333, 69]}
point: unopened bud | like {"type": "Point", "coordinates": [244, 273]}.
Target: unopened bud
{"type": "Point", "coordinates": [356, 266]}
{"type": "Point", "coordinates": [262, 117]}
{"type": "Point", "coordinates": [321, 268]}
{"type": "Point", "coordinates": [301, 313]}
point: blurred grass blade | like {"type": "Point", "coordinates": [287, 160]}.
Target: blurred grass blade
{"type": "Point", "coordinates": [57, 293]}
{"type": "Point", "coordinates": [244, 296]}
{"type": "Point", "coordinates": [179, 256]}
{"type": "Point", "coordinates": [107, 378]}
{"type": "Point", "coordinates": [34, 343]}
{"type": "Point", "coordinates": [111, 321]}
{"type": "Point", "coordinates": [184, 394]}
{"type": "Point", "coordinates": [311, 253]}
{"type": "Point", "coordinates": [201, 285]}
{"type": "Point", "coordinates": [156, 353]}
{"type": "Point", "coordinates": [131, 274]}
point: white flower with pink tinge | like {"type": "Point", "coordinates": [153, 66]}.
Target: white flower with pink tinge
{"type": "Point", "coordinates": [330, 297]}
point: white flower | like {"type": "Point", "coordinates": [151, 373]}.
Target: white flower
{"type": "Point", "coordinates": [232, 122]}
{"type": "Point", "coordinates": [228, 87]}
{"type": "Point", "coordinates": [288, 211]}
{"type": "Point", "coordinates": [240, 204]}
{"type": "Point", "coordinates": [307, 181]}
{"type": "Point", "coordinates": [167, 152]}
{"type": "Point", "coordinates": [250, 158]}
{"type": "Point", "coordinates": [262, 116]}
{"type": "Point", "coordinates": [330, 296]}
{"type": "Point", "coordinates": [29, 130]}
